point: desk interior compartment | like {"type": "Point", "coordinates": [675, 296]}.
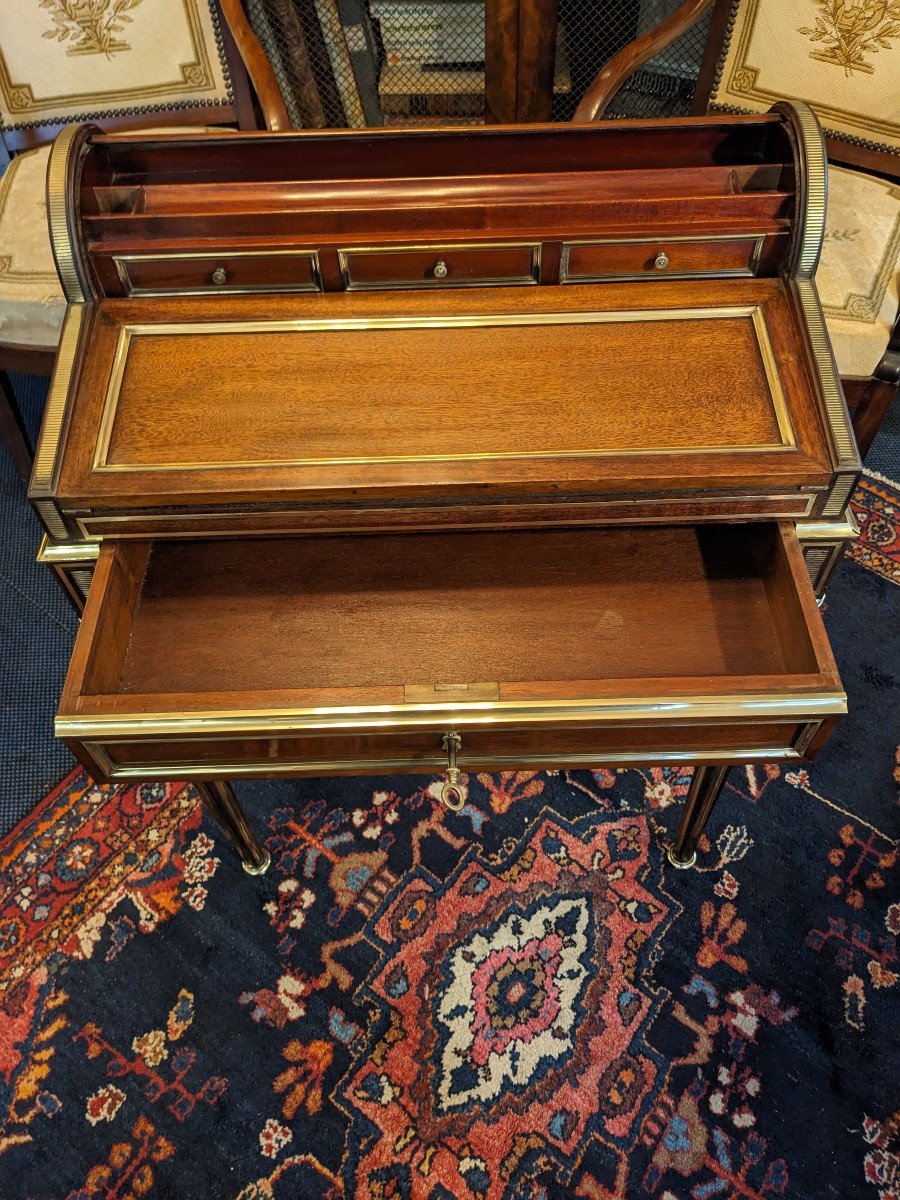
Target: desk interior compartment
{"type": "Point", "coordinates": [213, 657]}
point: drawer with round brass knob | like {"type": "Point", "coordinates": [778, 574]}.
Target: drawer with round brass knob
{"type": "Point", "coordinates": [667, 258]}
{"type": "Point", "coordinates": [226, 272]}
{"type": "Point", "coordinates": [476, 265]}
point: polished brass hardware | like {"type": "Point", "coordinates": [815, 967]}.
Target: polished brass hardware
{"type": "Point", "coordinates": [623, 710]}
{"type": "Point", "coordinates": [451, 795]}
{"type": "Point", "coordinates": [441, 270]}
{"type": "Point", "coordinates": [661, 261]}
{"type": "Point", "coordinates": [220, 276]}
{"type": "Point", "coordinates": [430, 693]}
{"type": "Point", "coordinates": [682, 865]}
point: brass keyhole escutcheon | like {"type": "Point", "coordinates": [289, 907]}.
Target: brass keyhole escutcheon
{"type": "Point", "coordinates": [451, 793]}
{"type": "Point", "coordinates": [661, 261]}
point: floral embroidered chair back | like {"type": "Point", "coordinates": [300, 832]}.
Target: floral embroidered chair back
{"type": "Point", "coordinates": [67, 60]}
{"type": "Point", "coordinates": [843, 58]}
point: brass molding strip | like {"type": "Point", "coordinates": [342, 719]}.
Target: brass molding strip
{"type": "Point", "coordinates": [379, 766]}
{"type": "Point", "coordinates": [844, 530]}
{"type": "Point", "coordinates": [61, 175]}
{"type": "Point", "coordinates": [758, 240]}
{"type": "Point", "coordinates": [436, 248]}
{"type": "Point", "coordinates": [122, 261]}
{"type": "Point", "coordinates": [65, 554]}
{"type": "Point", "coordinates": [127, 332]}
{"type": "Point", "coordinates": [628, 710]}
{"type": "Point", "coordinates": [48, 454]}
{"type": "Point", "coordinates": [845, 455]}
{"type": "Point", "coordinates": [806, 736]}
{"type": "Point", "coordinates": [811, 169]}
{"type": "Point", "coordinates": [115, 525]}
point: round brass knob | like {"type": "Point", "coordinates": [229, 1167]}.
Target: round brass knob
{"type": "Point", "coordinates": [441, 270]}
{"type": "Point", "coordinates": [661, 261]}
{"type": "Point", "coordinates": [219, 276]}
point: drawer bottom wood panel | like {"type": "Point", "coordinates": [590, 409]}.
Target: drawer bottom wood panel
{"type": "Point", "coordinates": [552, 648]}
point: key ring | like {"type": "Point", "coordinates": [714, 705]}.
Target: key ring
{"type": "Point", "coordinates": [451, 792]}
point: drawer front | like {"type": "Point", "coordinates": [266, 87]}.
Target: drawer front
{"type": "Point", "coordinates": [678, 258]}
{"type": "Point", "coordinates": [439, 266]}
{"type": "Point", "coordinates": [420, 751]}
{"type": "Point", "coordinates": [225, 273]}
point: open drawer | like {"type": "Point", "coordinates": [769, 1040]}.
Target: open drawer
{"type": "Point", "coordinates": [558, 647]}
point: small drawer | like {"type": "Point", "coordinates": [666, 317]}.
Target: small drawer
{"type": "Point", "coordinates": [225, 273]}
{"type": "Point", "coordinates": [439, 266]}
{"type": "Point", "coordinates": [216, 659]}
{"type": "Point", "coordinates": [662, 258]}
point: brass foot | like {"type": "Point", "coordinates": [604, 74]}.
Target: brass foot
{"type": "Point", "coordinates": [683, 864]}
{"type": "Point", "coordinates": [261, 868]}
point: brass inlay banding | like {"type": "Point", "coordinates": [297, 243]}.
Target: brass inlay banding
{"type": "Point", "coordinates": [620, 710]}
{"type": "Point", "coordinates": [101, 754]}
{"type": "Point", "coordinates": [797, 504]}
{"type": "Point", "coordinates": [128, 332]}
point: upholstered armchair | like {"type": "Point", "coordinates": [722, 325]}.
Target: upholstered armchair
{"type": "Point", "coordinates": [843, 59]}
{"type": "Point", "coordinates": [122, 64]}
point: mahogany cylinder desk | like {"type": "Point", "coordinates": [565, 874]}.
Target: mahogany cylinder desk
{"type": "Point", "coordinates": [444, 450]}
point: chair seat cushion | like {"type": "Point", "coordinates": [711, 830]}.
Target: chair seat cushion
{"type": "Point", "coordinates": [860, 266]}
{"type": "Point", "coordinates": [32, 304]}
{"type": "Point", "coordinates": [31, 301]}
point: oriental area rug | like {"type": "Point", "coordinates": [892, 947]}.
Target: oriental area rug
{"type": "Point", "coordinates": [522, 1000]}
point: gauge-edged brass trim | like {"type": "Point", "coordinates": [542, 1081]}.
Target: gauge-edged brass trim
{"type": "Point", "coordinates": [48, 455]}
{"type": "Point", "coordinates": [624, 710]}
{"type": "Point", "coordinates": [299, 325]}
{"type": "Point", "coordinates": [811, 170]}
{"type": "Point", "coordinates": [61, 178]}
{"type": "Point", "coordinates": [842, 443]}
{"type": "Point", "coordinates": [758, 240]}
{"type": "Point", "coordinates": [437, 248]}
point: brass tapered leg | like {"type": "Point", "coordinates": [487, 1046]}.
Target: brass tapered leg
{"type": "Point", "coordinates": [222, 805]}
{"type": "Point", "coordinates": [704, 792]}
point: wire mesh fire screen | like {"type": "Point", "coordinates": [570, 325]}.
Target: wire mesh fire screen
{"type": "Point", "coordinates": [352, 63]}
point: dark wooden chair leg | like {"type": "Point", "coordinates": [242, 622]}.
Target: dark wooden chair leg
{"type": "Point", "coordinates": [222, 805]}
{"type": "Point", "coordinates": [704, 792]}
{"type": "Point", "coordinates": [870, 411]}
{"type": "Point", "coordinates": [12, 430]}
